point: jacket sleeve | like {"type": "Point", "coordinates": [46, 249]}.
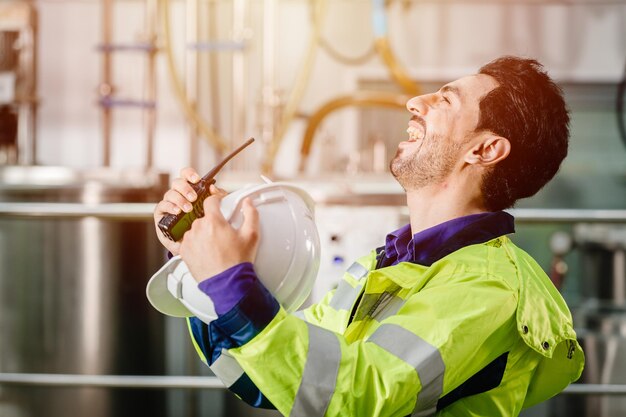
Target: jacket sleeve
{"type": "Point", "coordinates": [441, 336]}
{"type": "Point", "coordinates": [209, 341]}
{"type": "Point", "coordinates": [225, 367]}
{"type": "Point", "coordinates": [212, 346]}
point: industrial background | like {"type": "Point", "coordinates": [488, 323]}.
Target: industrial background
{"type": "Point", "coordinates": [102, 102]}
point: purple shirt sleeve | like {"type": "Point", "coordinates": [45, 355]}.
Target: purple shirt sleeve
{"type": "Point", "coordinates": [229, 287]}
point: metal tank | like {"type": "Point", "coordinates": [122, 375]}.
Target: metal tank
{"type": "Point", "coordinates": [72, 289]}
{"type": "Point", "coordinates": [601, 318]}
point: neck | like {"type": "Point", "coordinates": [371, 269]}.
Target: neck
{"type": "Point", "coordinates": [435, 204]}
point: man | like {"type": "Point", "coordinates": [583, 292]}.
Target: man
{"type": "Point", "coordinates": [449, 316]}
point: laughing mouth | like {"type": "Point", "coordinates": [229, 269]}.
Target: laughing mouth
{"type": "Point", "coordinates": [416, 129]}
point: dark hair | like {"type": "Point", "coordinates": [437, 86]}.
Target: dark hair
{"type": "Point", "coordinates": [528, 109]}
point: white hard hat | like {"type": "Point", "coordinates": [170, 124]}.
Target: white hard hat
{"type": "Point", "coordinates": [286, 263]}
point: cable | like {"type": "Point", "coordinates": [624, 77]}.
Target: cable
{"type": "Point", "coordinates": [359, 99]}
{"type": "Point", "coordinates": [192, 115]}
{"type": "Point", "coordinates": [344, 59]}
{"type": "Point", "coordinates": [339, 56]}
{"type": "Point", "coordinates": [383, 47]}
{"type": "Point", "coordinates": [318, 8]}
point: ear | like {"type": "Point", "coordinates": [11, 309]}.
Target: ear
{"type": "Point", "coordinates": [489, 151]}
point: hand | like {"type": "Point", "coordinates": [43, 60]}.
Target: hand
{"type": "Point", "coordinates": [213, 245]}
{"type": "Point", "coordinates": [176, 199]}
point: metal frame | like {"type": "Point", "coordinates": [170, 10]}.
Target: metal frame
{"type": "Point", "coordinates": [108, 100]}
{"type": "Point", "coordinates": [209, 382]}
{"type": "Point", "coordinates": [131, 211]}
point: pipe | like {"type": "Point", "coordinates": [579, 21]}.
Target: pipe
{"type": "Point", "coordinates": [106, 87]}
{"type": "Point", "coordinates": [111, 381]}
{"type": "Point", "coordinates": [115, 211]}
{"type": "Point", "coordinates": [269, 99]}
{"type": "Point", "coordinates": [383, 47]}
{"type": "Point", "coordinates": [201, 382]}
{"type": "Point", "coordinates": [595, 389]}
{"type": "Point", "coordinates": [360, 99]}
{"type": "Point", "coordinates": [568, 215]}
{"type": "Point", "coordinates": [150, 82]}
{"type": "Point", "coordinates": [238, 82]}
{"type": "Point", "coordinates": [192, 114]}
{"type": "Point", "coordinates": [345, 59]}
{"type": "Point", "coordinates": [396, 70]}
{"type": "Point", "coordinates": [318, 8]}
{"type": "Point", "coordinates": [192, 75]}
{"type": "Point", "coordinates": [135, 211]}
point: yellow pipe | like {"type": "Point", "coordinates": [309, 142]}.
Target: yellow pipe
{"type": "Point", "coordinates": [381, 45]}
{"type": "Point", "coordinates": [192, 115]}
{"type": "Point", "coordinates": [360, 99]}
{"type": "Point", "coordinates": [395, 68]}
{"type": "Point", "coordinates": [318, 8]}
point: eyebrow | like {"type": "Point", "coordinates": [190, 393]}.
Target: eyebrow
{"type": "Point", "coordinates": [451, 89]}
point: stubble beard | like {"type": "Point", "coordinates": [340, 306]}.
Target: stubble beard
{"type": "Point", "coordinates": [429, 166]}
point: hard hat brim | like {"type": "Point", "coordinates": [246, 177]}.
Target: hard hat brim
{"type": "Point", "coordinates": [160, 297]}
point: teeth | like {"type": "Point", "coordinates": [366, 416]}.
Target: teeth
{"type": "Point", "coordinates": [415, 134]}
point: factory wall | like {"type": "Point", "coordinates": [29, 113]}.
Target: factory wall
{"type": "Point", "coordinates": [582, 44]}
{"type": "Point", "coordinates": [578, 42]}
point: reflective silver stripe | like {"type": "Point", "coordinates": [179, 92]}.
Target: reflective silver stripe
{"type": "Point", "coordinates": [345, 296]}
{"type": "Point", "coordinates": [389, 309]}
{"type": "Point", "coordinates": [357, 270]}
{"type": "Point", "coordinates": [422, 356]}
{"type": "Point", "coordinates": [320, 373]}
{"type": "Point", "coordinates": [226, 369]}
{"type": "Point", "coordinates": [425, 413]}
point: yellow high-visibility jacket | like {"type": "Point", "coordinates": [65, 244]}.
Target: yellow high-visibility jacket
{"type": "Point", "coordinates": [481, 332]}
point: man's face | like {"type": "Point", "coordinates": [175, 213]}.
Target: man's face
{"type": "Point", "coordinates": [440, 130]}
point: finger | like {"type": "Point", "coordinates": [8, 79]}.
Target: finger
{"type": "Point", "coordinates": [190, 174]}
{"type": "Point", "coordinates": [215, 190]}
{"type": "Point", "coordinates": [250, 227]}
{"type": "Point", "coordinates": [174, 197]}
{"type": "Point", "coordinates": [212, 207]}
{"type": "Point", "coordinates": [166, 207]}
{"type": "Point", "coordinates": [184, 188]}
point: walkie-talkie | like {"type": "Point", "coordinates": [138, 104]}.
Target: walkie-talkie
{"type": "Point", "coordinates": [174, 226]}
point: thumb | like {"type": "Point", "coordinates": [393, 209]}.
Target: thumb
{"type": "Point", "coordinates": [212, 208]}
{"type": "Point", "coordinates": [250, 227]}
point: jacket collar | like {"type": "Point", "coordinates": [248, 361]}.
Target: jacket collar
{"type": "Point", "coordinates": [430, 245]}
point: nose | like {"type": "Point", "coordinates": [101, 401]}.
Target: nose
{"type": "Point", "coordinates": [417, 105]}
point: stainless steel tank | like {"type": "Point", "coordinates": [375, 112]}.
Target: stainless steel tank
{"type": "Point", "coordinates": [72, 289]}
{"type": "Point", "coordinates": [601, 318]}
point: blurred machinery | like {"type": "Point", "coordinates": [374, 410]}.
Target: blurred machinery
{"type": "Point", "coordinates": [18, 86]}
{"type": "Point", "coordinates": [601, 317]}
{"type": "Point", "coordinates": [359, 99]}
{"type": "Point", "coordinates": [73, 268]}
{"type": "Point", "coordinates": [344, 239]}
{"type": "Point", "coordinates": [381, 45]}
{"type": "Point", "coordinates": [72, 283]}
{"type": "Point", "coordinates": [187, 87]}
